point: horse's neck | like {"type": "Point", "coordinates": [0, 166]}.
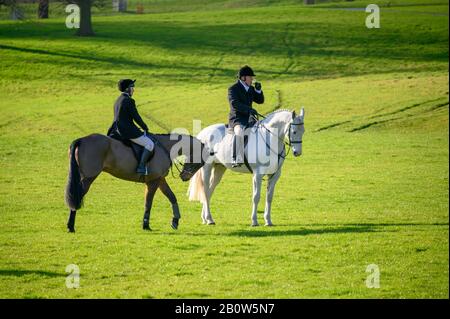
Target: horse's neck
{"type": "Point", "coordinates": [165, 141]}
{"type": "Point", "coordinates": [278, 122]}
{"type": "Point", "coordinates": [169, 142]}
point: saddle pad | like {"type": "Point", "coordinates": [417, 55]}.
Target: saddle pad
{"type": "Point", "coordinates": [136, 148]}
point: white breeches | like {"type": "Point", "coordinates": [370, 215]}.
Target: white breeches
{"type": "Point", "coordinates": [145, 142]}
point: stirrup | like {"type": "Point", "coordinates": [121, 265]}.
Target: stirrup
{"type": "Point", "coordinates": [142, 171]}
{"type": "Point", "coordinates": [236, 164]}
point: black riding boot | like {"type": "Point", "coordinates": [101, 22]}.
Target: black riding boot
{"type": "Point", "coordinates": [142, 167]}
{"type": "Point", "coordinates": [234, 159]}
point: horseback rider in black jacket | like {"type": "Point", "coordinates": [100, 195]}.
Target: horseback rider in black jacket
{"type": "Point", "coordinates": [241, 95]}
{"type": "Point", "coordinates": [125, 114]}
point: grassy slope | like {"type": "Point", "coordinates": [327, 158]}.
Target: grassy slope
{"type": "Point", "coordinates": [372, 186]}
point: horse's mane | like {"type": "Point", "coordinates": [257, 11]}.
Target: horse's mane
{"type": "Point", "coordinates": [271, 114]}
{"type": "Point", "coordinates": [167, 135]}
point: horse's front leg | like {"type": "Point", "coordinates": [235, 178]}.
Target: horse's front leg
{"type": "Point", "coordinates": [269, 196]}
{"type": "Point", "coordinates": [257, 179]}
{"type": "Point", "coordinates": [150, 190]}
{"type": "Point", "coordinates": [165, 189]}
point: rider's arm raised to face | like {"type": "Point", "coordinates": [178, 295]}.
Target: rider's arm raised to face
{"type": "Point", "coordinates": [131, 107]}
{"type": "Point", "coordinates": [258, 97]}
{"type": "Point", "coordinates": [233, 97]}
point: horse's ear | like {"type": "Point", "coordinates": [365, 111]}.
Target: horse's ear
{"type": "Point", "coordinates": [302, 112]}
{"type": "Point", "coordinates": [293, 114]}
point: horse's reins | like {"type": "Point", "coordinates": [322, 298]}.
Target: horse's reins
{"type": "Point", "coordinates": [259, 124]}
{"type": "Point", "coordinates": [280, 155]}
{"type": "Point", "coordinates": [157, 142]}
{"type": "Point", "coordinates": [174, 161]}
{"type": "Point", "coordinates": [289, 144]}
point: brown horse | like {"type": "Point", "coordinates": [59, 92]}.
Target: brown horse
{"type": "Point", "coordinates": [90, 155]}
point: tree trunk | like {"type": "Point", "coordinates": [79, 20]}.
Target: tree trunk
{"type": "Point", "coordinates": [120, 5]}
{"type": "Point", "coordinates": [123, 5]}
{"type": "Point", "coordinates": [43, 9]}
{"type": "Point", "coordinates": [85, 29]}
{"type": "Point", "coordinates": [16, 13]}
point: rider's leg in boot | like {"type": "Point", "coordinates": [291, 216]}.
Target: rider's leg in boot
{"type": "Point", "coordinates": [233, 160]}
{"type": "Point", "coordinates": [149, 149]}
{"type": "Point", "coordinates": [142, 167]}
{"type": "Point", "coordinates": [237, 146]}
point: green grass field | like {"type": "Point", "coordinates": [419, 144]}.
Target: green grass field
{"type": "Point", "coordinates": [370, 188]}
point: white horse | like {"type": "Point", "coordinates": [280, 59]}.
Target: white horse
{"type": "Point", "coordinates": [265, 150]}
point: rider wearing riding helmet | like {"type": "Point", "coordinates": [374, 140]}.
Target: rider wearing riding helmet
{"type": "Point", "coordinates": [125, 114]}
{"type": "Point", "coordinates": [241, 95]}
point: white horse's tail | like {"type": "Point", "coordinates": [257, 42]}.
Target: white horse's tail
{"type": "Point", "coordinates": [196, 190]}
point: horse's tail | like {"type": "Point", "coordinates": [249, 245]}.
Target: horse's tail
{"type": "Point", "coordinates": [196, 190]}
{"type": "Point", "coordinates": [74, 190]}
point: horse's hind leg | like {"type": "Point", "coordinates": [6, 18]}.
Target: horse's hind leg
{"type": "Point", "coordinates": [217, 174]}
{"type": "Point", "coordinates": [71, 221]}
{"type": "Point", "coordinates": [165, 189]}
{"type": "Point", "coordinates": [152, 186]}
{"type": "Point", "coordinates": [85, 184]}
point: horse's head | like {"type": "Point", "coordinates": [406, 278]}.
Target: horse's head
{"type": "Point", "coordinates": [296, 130]}
{"type": "Point", "coordinates": [189, 170]}
{"type": "Point", "coordinates": [194, 163]}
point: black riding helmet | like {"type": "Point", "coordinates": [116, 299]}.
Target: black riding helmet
{"type": "Point", "coordinates": [124, 84]}
{"type": "Point", "coordinates": [246, 71]}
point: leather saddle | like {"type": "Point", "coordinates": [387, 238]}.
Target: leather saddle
{"type": "Point", "coordinates": [231, 131]}
{"type": "Point", "coordinates": [136, 148]}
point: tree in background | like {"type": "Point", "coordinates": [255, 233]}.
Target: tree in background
{"type": "Point", "coordinates": [43, 9]}
{"type": "Point", "coordinates": [86, 15]}
{"type": "Point", "coordinates": [16, 13]}
{"type": "Point", "coordinates": [84, 5]}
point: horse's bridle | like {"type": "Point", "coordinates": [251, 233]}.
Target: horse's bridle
{"type": "Point", "coordinates": [173, 162]}
{"type": "Point", "coordinates": [289, 135]}
{"type": "Point", "coordinates": [190, 172]}
{"type": "Point", "coordinates": [289, 143]}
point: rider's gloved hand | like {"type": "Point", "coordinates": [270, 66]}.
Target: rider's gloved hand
{"type": "Point", "coordinates": [258, 86]}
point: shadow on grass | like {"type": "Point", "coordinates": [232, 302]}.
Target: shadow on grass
{"type": "Point", "coordinates": [304, 231]}
{"type": "Point", "coordinates": [277, 40]}
{"type": "Point", "coordinates": [380, 224]}
{"type": "Point", "coordinates": [20, 273]}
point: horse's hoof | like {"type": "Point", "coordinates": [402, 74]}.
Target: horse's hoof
{"type": "Point", "coordinates": [211, 223]}
{"type": "Point", "coordinates": [268, 224]}
{"type": "Point", "coordinates": [255, 225]}
{"type": "Point", "coordinates": [70, 230]}
{"type": "Point", "coordinates": [146, 227]}
{"type": "Point", "coordinates": [174, 224]}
